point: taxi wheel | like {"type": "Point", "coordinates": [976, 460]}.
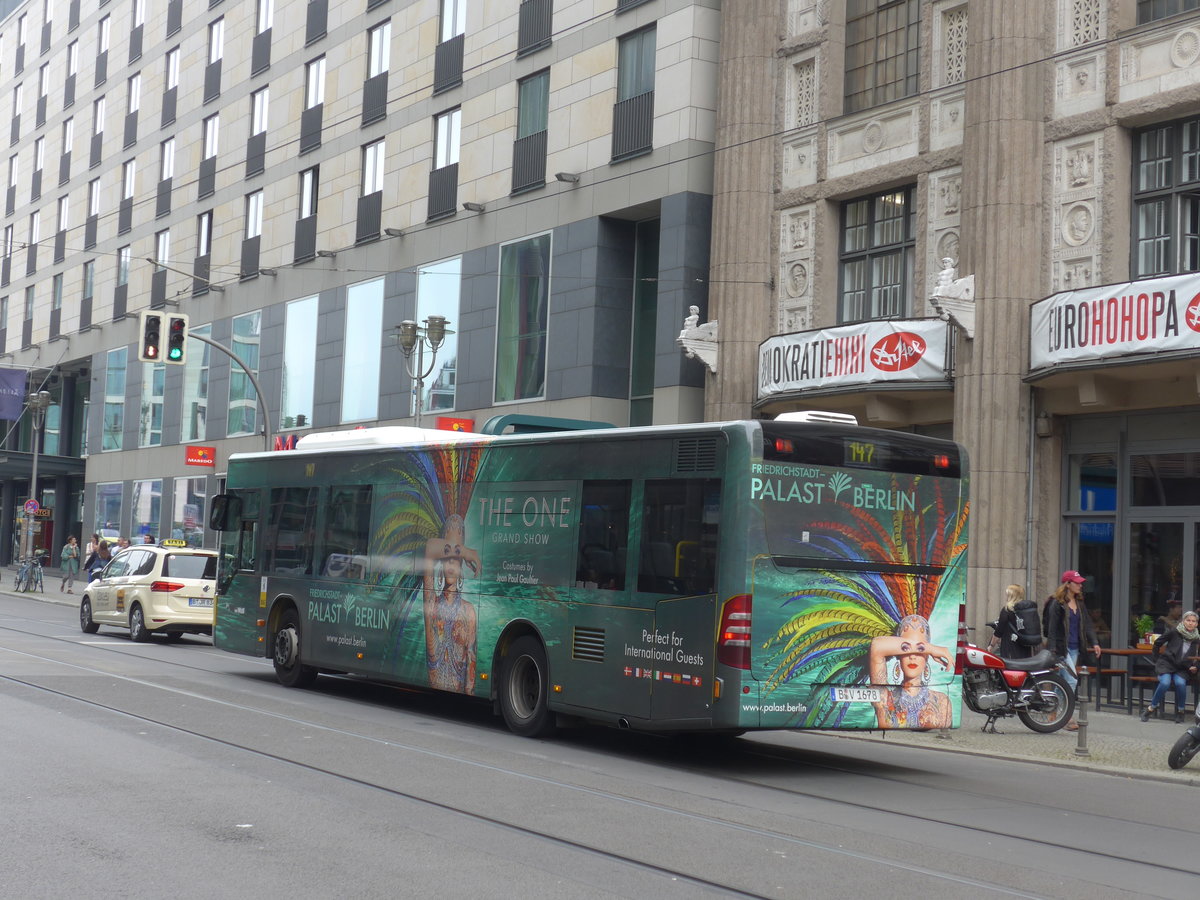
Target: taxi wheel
{"type": "Point", "coordinates": [174, 637]}
{"type": "Point", "coordinates": [85, 617]}
{"type": "Point", "coordinates": [138, 632]}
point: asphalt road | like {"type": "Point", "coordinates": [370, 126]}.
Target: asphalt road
{"type": "Point", "coordinates": [152, 770]}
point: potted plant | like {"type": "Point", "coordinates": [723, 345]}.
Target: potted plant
{"type": "Point", "coordinates": [1143, 625]}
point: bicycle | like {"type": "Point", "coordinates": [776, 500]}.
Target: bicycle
{"type": "Point", "coordinates": [29, 575]}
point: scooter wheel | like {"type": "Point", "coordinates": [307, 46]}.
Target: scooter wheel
{"type": "Point", "coordinates": [1183, 751]}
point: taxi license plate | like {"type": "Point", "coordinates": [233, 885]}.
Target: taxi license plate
{"type": "Point", "coordinates": [200, 601]}
{"type": "Point", "coordinates": [857, 695]}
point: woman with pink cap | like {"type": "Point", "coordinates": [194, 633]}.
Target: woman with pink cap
{"type": "Point", "coordinates": [1069, 628]}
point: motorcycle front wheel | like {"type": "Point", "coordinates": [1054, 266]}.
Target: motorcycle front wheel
{"type": "Point", "coordinates": [1051, 704]}
{"type": "Point", "coordinates": [1183, 751]}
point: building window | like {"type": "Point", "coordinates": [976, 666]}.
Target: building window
{"type": "Point", "coordinates": [360, 369]}
{"type": "Point", "coordinates": [13, 168]}
{"type": "Point", "coordinates": [44, 80]}
{"type": "Point", "coordinates": [114, 403]}
{"type": "Point", "coordinates": [266, 15]}
{"type": "Point", "coordinates": [89, 279]}
{"type": "Point", "coordinates": [379, 42]}
{"type": "Point", "coordinates": [29, 299]}
{"type": "Point", "coordinates": [187, 521]}
{"type": "Point", "coordinates": [372, 167]}
{"type": "Point", "coordinates": [438, 291]}
{"type": "Point", "coordinates": [151, 412]}
{"type": "Point", "coordinates": [454, 18]}
{"type": "Point", "coordinates": [57, 292]}
{"type": "Point", "coordinates": [139, 12]}
{"type": "Point", "coordinates": [123, 257]}
{"type": "Point", "coordinates": [35, 228]}
{"type": "Point", "coordinates": [195, 388]}
{"type": "Point", "coordinates": [166, 167]}
{"type": "Point", "coordinates": [259, 101]}
{"type": "Point", "coordinates": [146, 504]}
{"type": "Point", "coordinates": [128, 179]}
{"type": "Point", "coordinates": [533, 104]}
{"type": "Point", "coordinates": [9, 241]}
{"type": "Point", "coordinates": [1166, 200]}
{"type": "Point", "coordinates": [39, 154]}
{"type": "Point", "coordinates": [243, 409]}
{"type": "Point", "coordinates": [212, 127]}
{"type": "Point", "coordinates": [635, 63]}
{"type": "Point", "coordinates": [172, 68]}
{"type": "Point", "coordinates": [254, 214]}
{"type": "Point", "coordinates": [73, 58]}
{"type": "Point", "coordinates": [18, 96]}
{"type": "Point", "coordinates": [104, 35]}
{"type": "Point", "coordinates": [447, 132]}
{"type": "Point", "coordinates": [314, 83]}
{"type": "Point", "coordinates": [1152, 10]}
{"type": "Point", "coordinates": [299, 364]}
{"type": "Point", "coordinates": [521, 320]}
{"type": "Point", "coordinates": [309, 182]}
{"type": "Point", "coordinates": [68, 135]}
{"type": "Point", "coordinates": [93, 197]}
{"type": "Point", "coordinates": [162, 247]}
{"type": "Point", "coordinates": [108, 506]}
{"type": "Point", "coordinates": [216, 41]}
{"type": "Point", "coordinates": [882, 40]}
{"type": "Point", "coordinates": [135, 92]}
{"type": "Point", "coordinates": [876, 256]}
{"type": "Point", "coordinates": [64, 206]}
{"type": "Point", "coordinates": [98, 116]}
{"type": "Point", "coordinates": [204, 223]}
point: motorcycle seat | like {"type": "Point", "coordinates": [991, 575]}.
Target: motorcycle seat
{"type": "Point", "coordinates": [1043, 659]}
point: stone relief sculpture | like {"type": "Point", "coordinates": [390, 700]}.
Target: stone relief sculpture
{"type": "Point", "coordinates": [954, 298]}
{"type": "Point", "coordinates": [699, 341]}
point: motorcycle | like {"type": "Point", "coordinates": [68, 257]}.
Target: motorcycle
{"type": "Point", "coordinates": [1186, 747]}
{"type": "Point", "coordinates": [1030, 689]}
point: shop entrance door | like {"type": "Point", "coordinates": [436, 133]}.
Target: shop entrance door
{"type": "Point", "coordinates": [1162, 567]}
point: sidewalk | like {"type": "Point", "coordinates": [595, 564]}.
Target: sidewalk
{"type": "Point", "coordinates": [1116, 743]}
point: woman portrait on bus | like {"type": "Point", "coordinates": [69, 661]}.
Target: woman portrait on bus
{"type": "Point", "coordinates": [449, 619]}
{"type": "Point", "coordinates": [911, 704]}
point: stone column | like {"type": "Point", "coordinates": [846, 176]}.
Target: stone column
{"type": "Point", "coordinates": [743, 180]}
{"type": "Point", "coordinates": [1003, 245]}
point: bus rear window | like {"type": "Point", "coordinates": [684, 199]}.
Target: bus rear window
{"type": "Point", "coordinates": [860, 448]}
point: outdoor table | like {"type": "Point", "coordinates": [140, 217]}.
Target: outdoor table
{"type": "Point", "coordinates": [1128, 654]}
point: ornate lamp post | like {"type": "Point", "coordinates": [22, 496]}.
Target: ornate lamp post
{"type": "Point", "coordinates": [432, 333]}
{"type": "Point", "coordinates": [38, 403]}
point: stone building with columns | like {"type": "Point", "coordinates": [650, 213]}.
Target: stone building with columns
{"type": "Point", "coordinates": [1011, 191]}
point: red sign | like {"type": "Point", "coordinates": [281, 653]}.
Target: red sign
{"type": "Point", "coordinates": [285, 443]}
{"type": "Point", "coordinates": [897, 352]}
{"type": "Point", "coordinates": [200, 456]}
{"type": "Point", "coordinates": [448, 423]}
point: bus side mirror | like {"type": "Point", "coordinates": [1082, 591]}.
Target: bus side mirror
{"type": "Point", "coordinates": [225, 510]}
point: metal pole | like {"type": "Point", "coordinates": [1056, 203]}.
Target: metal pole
{"type": "Point", "coordinates": [420, 378]}
{"type": "Point", "coordinates": [38, 403]}
{"type": "Point", "coordinates": [262, 399]}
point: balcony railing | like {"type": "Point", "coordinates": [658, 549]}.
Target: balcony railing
{"type": "Point", "coordinates": [633, 126]}
{"type": "Point", "coordinates": [443, 191]}
{"type": "Point", "coordinates": [529, 162]}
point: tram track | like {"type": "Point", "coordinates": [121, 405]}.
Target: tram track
{"type": "Point", "coordinates": [798, 757]}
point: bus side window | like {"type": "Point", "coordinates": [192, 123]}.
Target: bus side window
{"type": "Point", "coordinates": [680, 519]}
{"type": "Point", "coordinates": [347, 533]}
{"type": "Point", "coordinates": [291, 528]}
{"type": "Point", "coordinates": [247, 560]}
{"type": "Point", "coordinates": [603, 535]}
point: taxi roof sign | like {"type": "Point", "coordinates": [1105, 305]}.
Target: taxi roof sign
{"type": "Point", "coordinates": [172, 542]}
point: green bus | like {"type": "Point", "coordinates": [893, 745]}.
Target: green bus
{"type": "Point", "coordinates": [716, 577]}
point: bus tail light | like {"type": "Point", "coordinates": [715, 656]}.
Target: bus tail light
{"type": "Point", "coordinates": [733, 640]}
{"type": "Point", "coordinates": [166, 587]}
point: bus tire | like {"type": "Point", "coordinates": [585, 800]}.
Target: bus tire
{"type": "Point", "coordinates": [86, 624]}
{"type": "Point", "coordinates": [289, 670]}
{"type": "Point", "coordinates": [138, 632]}
{"type": "Point", "coordinates": [524, 689]}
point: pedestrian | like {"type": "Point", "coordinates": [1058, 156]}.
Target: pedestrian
{"type": "Point", "coordinates": [1174, 663]}
{"type": "Point", "coordinates": [68, 562]}
{"type": "Point", "coordinates": [1018, 631]}
{"type": "Point", "coordinates": [122, 543]}
{"type": "Point", "coordinates": [99, 560]}
{"type": "Point", "coordinates": [92, 546]}
{"type": "Point", "coordinates": [1069, 629]}
{"type": "Point", "coordinates": [1173, 617]}
{"type": "Point", "coordinates": [147, 539]}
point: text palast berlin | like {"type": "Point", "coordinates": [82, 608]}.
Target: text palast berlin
{"type": "Point", "coordinates": [1139, 317]}
{"type": "Point", "coordinates": [881, 350]}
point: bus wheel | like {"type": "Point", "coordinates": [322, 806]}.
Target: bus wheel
{"type": "Point", "coordinates": [138, 632]}
{"type": "Point", "coordinates": [288, 668]}
{"type": "Point", "coordinates": [524, 689]}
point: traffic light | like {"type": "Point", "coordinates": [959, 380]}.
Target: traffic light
{"type": "Point", "coordinates": [150, 336]}
{"type": "Point", "coordinates": [177, 332]}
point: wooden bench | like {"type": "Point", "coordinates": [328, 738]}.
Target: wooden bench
{"type": "Point", "coordinates": [1150, 682]}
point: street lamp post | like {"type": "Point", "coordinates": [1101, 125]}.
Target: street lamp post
{"type": "Point", "coordinates": [38, 403]}
{"type": "Point", "coordinates": [432, 333]}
